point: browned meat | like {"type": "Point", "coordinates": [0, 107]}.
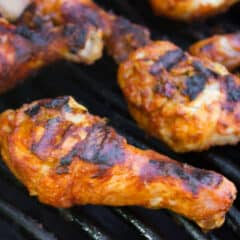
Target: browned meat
{"type": "Point", "coordinates": [66, 156]}
{"type": "Point", "coordinates": [122, 36]}
{"type": "Point", "coordinates": [189, 103]}
{"type": "Point", "coordinates": [224, 49]}
{"type": "Point", "coordinates": [22, 50]}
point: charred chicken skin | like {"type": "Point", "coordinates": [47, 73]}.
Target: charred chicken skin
{"type": "Point", "coordinates": [120, 35]}
{"type": "Point", "coordinates": [188, 10]}
{"type": "Point", "coordinates": [189, 103]}
{"type": "Point", "coordinates": [23, 50]}
{"type": "Point", "coordinates": [66, 156]}
{"type": "Point", "coordinates": [224, 49]}
{"type": "Point", "coordinates": [53, 30]}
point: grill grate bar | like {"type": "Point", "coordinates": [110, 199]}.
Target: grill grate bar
{"type": "Point", "coordinates": [144, 230]}
{"type": "Point", "coordinates": [233, 220]}
{"type": "Point", "coordinates": [31, 226]}
{"type": "Point", "coordinates": [192, 230]}
{"type": "Point", "coordinates": [95, 87]}
{"type": "Point", "coordinates": [86, 225]}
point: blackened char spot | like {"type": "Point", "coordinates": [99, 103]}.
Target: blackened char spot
{"type": "Point", "coordinates": [65, 161]}
{"type": "Point", "coordinates": [78, 36]}
{"type": "Point", "coordinates": [192, 178]}
{"type": "Point", "coordinates": [79, 40]}
{"type": "Point", "coordinates": [30, 35]}
{"type": "Point", "coordinates": [57, 103]}
{"type": "Point", "coordinates": [168, 61]}
{"type": "Point", "coordinates": [102, 146]}
{"type": "Point", "coordinates": [126, 37]}
{"type": "Point", "coordinates": [38, 22]}
{"type": "Point", "coordinates": [31, 112]}
{"type": "Point", "coordinates": [48, 139]}
{"type": "Point", "coordinates": [81, 14]}
{"type": "Point", "coordinates": [194, 85]}
{"type": "Point", "coordinates": [204, 71]}
{"type": "Point", "coordinates": [233, 90]}
{"type": "Point", "coordinates": [69, 29]}
{"type": "Point", "coordinates": [24, 31]}
{"type": "Point", "coordinates": [126, 28]}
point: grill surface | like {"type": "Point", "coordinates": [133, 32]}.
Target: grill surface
{"type": "Point", "coordinates": [23, 217]}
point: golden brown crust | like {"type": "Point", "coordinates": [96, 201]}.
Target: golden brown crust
{"type": "Point", "coordinates": [190, 104]}
{"type": "Point", "coordinates": [188, 10]}
{"type": "Point", "coordinates": [224, 49]}
{"type": "Point", "coordinates": [66, 156]}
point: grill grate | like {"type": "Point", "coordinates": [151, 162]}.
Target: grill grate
{"type": "Point", "coordinates": [97, 89]}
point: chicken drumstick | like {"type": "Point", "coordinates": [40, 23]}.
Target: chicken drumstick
{"type": "Point", "coordinates": [66, 156]}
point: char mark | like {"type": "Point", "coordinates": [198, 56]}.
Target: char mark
{"type": "Point", "coordinates": [77, 36]}
{"type": "Point", "coordinates": [194, 85]}
{"type": "Point", "coordinates": [102, 146]}
{"type": "Point", "coordinates": [233, 90]}
{"type": "Point", "coordinates": [192, 178]}
{"type": "Point", "coordinates": [31, 112]}
{"type": "Point", "coordinates": [140, 36]}
{"type": "Point", "coordinates": [168, 61]}
{"type": "Point", "coordinates": [82, 14]}
{"type": "Point", "coordinates": [57, 103]}
{"type": "Point", "coordinates": [36, 38]}
{"type": "Point", "coordinates": [48, 140]}
{"type": "Point", "coordinates": [204, 71]}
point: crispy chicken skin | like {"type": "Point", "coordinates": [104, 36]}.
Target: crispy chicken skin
{"type": "Point", "coordinates": [188, 10]}
{"type": "Point", "coordinates": [121, 36]}
{"type": "Point", "coordinates": [224, 49]}
{"type": "Point", "coordinates": [66, 156]}
{"type": "Point", "coordinates": [189, 103]}
{"type": "Point", "coordinates": [22, 50]}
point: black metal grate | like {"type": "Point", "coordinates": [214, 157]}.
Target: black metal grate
{"type": "Point", "coordinates": [96, 88]}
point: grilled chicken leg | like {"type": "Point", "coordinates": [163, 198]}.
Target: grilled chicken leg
{"type": "Point", "coordinates": [66, 156]}
{"type": "Point", "coordinates": [188, 10]}
{"type": "Point", "coordinates": [224, 49]}
{"type": "Point", "coordinates": [121, 36]}
{"type": "Point", "coordinates": [76, 31]}
{"type": "Point", "coordinates": [23, 50]}
{"type": "Point", "coordinates": [189, 103]}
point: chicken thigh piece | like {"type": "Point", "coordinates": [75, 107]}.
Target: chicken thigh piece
{"type": "Point", "coordinates": [189, 103]}
{"type": "Point", "coordinates": [65, 156]}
